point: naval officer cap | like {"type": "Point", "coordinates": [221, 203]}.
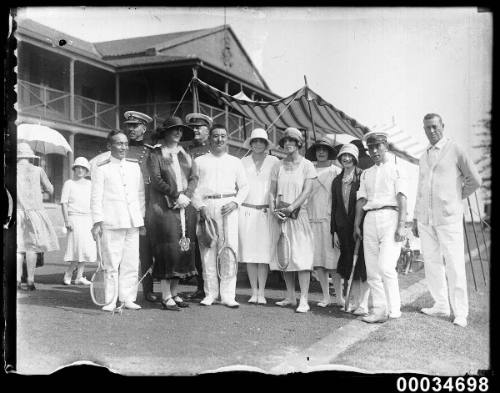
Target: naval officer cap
{"type": "Point", "coordinates": [198, 119]}
{"type": "Point", "coordinates": [375, 137]}
{"type": "Point", "coordinates": [137, 118]}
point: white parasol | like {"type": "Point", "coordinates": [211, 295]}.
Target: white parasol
{"type": "Point", "coordinates": [43, 139]}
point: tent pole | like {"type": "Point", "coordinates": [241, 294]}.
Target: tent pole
{"type": "Point", "coordinates": [468, 251]}
{"type": "Point", "coordinates": [477, 242]}
{"type": "Point", "coordinates": [481, 226]}
{"type": "Point", "coordinates": [196, 101]}
{"type": "Point", "coordinates": [310, 111]}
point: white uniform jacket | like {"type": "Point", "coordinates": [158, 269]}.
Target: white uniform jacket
{"type": "Point", "coordinates": [117, 197]}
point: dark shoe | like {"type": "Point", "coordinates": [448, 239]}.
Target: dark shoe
{"type": "Point", "coordinates": [198, 294]}
{"type": "Point", "coordinates": [181, 303]}
{"type": "Point", "coordinates": [151, 297]}
{"type": "Point", "coordinates": [30, 286]}
{"type": "Point", "coordinates": [169, 307]}
{"type": "Point", "coordinates": [19, 286]}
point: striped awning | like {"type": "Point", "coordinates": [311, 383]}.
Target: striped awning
{"type": "Point", "coordinates": [291, 111]}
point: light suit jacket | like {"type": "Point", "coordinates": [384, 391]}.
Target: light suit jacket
{"type": "Point", "coordinates": [443, 186]}
{"type": "Point", "coordinates": [117, 196]}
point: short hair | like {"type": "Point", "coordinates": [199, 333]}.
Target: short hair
{"type": "Point", "coordinates": [216, 126]}
{"type": "Point", "coordinates": [430, 116]}
{"type": "Point", "coordinates": [112, 133]}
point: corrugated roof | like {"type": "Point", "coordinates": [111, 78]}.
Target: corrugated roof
{"type": "Point", "coordinates": [138, 60]}
{"type": "Point", "coordinates": [129, 46]}
{"type": "Point", "coordinates": [39, 31]}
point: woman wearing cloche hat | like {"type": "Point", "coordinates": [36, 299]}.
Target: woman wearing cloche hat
{"type": "Point", "coordinates": [255, 245]}
{"type": "Point", "coordinates": [319, 207]}
{"type": "Point", "coordinates": [291, 185]}
{"type": "Point", "coordinates": [344, 188]}
{"type": "Point", "coordinates": [35, 233]}
{"type": "Point", "coordinates": [75, 204]}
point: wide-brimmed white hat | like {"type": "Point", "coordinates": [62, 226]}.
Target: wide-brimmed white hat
{"type": "Point", "coordinates": [25, 151]}
{"type": "Point", "coordinates": [83, 162]}
{"type": "Point", "coordinates": [350, 149]}
{"type": "Point", "coordinates": [258, 133]}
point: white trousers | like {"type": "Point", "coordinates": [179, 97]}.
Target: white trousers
{"type": "Point", "coordinates": [226, 287]}
{"type": "Point", "coordinates": [381, 257]}
{"type": "Point", "coordinates": [120, 254]}
{"type": "Point", "coordinates": [445, 241]}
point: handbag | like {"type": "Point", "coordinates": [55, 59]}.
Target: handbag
{"type": "Point", "coordinates": [293, 214]}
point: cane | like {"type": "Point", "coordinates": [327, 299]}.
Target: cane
{"type": "Point", "coordinates": [477, 242]}
{"type": "Point", "coordinates": [482, 229]}
{"type": "Point", "coordinates": [470, 257]}
{"type": "Point", "coordinates": [349, 283]}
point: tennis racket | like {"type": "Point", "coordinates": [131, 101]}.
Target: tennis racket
{"type": "Point", "coordinates": [283, 248]}
{"type": "Point", "coordinates": [349, 283]}
{"type": "Point", "coordinates": [98, 284]}
{"type": "Point", "coordinates": [227, 263]}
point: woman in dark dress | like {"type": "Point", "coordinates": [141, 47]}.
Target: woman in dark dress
{"type": "Point", "coordinates": [173, 182]}
{"type": "Point", "coordinates": [344, 188]}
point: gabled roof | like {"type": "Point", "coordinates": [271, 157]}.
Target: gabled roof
{"type": "Point", "coordinates": [137, 45]}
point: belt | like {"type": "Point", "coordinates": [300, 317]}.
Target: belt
{"type": "Point", "coordinates": [258, 207]}
{"type": "Point", "coordinates": [383, 207]}
{"type": "Point", "coordinates": [219, 196]}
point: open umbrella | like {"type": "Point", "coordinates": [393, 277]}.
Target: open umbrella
{"type": "Point", "coordinates": [43, 139]}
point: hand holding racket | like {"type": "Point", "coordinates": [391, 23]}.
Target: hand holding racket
{"type": "Point", "coordinates": [102, 292]}
{"type": "Point", "coordinates": [349, 283]}
{"type": "Point", "coordinates": [227, 263]}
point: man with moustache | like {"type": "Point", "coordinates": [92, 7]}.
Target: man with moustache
{"type": "Point", "coordinates": [446, 177]}
{"type": "Point", "coordinates": [381, 199]}
{"type": "Point", "coordinates": [222, 188]}
{"type": "Point", "coordinates": [117, 206]}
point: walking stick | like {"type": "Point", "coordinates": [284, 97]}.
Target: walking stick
{"type": "Point", "coordinates": [310, 111]}
{"type": "Point", "coordinates": [481, 226]}
{"type": "Point", "coordinates": [477, 242]}
{"type": "Point", "coordinates": [349, 283]}
{"type": "Point", "coordinates": [470, 257]}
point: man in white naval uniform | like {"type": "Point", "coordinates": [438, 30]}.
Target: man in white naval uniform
{"type": "Point", "coordinates": [382, 199]}
{"type": "Point", "coordinates": [446, 177]}
{"type": "Point", "coordinates": [222, 188]}
{"type": "Point", "coordinates": [118, 206]}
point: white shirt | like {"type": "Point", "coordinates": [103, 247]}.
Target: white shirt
{"type": "Point", "coordinates": [381, 183]}
{"type": "Point", "coordinates": [259, 180]}
{"type": "Point", "coordinates": [76, 193]}
{"type": "Point", "coordinates": [433, 151]}
{"type": "Point", "coordinates": [220, 175]}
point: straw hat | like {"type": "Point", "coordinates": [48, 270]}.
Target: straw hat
{"type": "Point", "coordinates": [258, 133]}
{"type": "Point", "coordinates": [83, 162]}
{"type": "Point", "coordinates": [326, 142]}
{"type": "Point", "coordinates": [24, 151]}
{"type": "Point", "coordinates": [174, 121]}
{"type": "Point", "coordinates": [351, 149]}
{"type": "Point", "coordinates": [292, 133]}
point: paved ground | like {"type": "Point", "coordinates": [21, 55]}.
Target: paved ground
{"type": "Point", "coordinates": [59, 325]}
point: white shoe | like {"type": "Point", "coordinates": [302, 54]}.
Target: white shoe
{"type": "Point", "coordinates": [132, 306]}
{"type": "Point", "coordinates": [67, 281]}
{"type": "Point", "coordinates": [360, 312]}
{"type": "Point", "coordinates": [395, 315]}
{"type": "Point", "coordinates": [207, 301]}
{"type": "Point", "coordinates": [460, 321]}
{"type": "Point", "coordinates": [286, 302]}
{"type": "Point", "coordinates": [435, 312]}
{"type": "Point", "coordinates": [323, 304]}
{"type": "Point", "coordinates": [231, 304]}
{"type": "Point", "coordinates": [110, 307]}
{"type": "Point", "coordinates": [82, 281]}
{"type": "Point", "coordinates": [253, 299]}
{"type": "Point", "coordinates": [261, 300]}
{"type": "Point", "coordinates": [375, 318]}
{"type": "Point", "coordinates": [303, 307]}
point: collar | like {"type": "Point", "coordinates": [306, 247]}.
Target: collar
{"type": "Point", "coordinates": [439, 145]}
{"type": "Point", "coordinates": [136, 142]}
{"type": "Point", "coordinates": [116, 160]}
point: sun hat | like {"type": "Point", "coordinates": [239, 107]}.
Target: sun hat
{"type": "Point", "coordinates": [292, 133]}
{"type": "Point", "coordinates": [324, 141]}
{"type": "Point", "coordinates": [137, 117]}
{"type": "Point", "coordinates": [83, 162]}
{"type": "Point", "coordinates": [351, 149]}
{"type": "Point", "coordinates": [257, 133]}
{"type": "Point", "coordinates": [198, 119]}
{"type": "Point", "coordinates": [25, 151]}
{"type": "Point", "coordinates": [174, 121]}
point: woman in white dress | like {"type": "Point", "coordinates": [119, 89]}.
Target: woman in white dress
{"type": "Point", "coordinates": [319, 210]}
{"type": "Point", "coordinates": [254, 236]}
{"type": "Point", "coordinates": [75, 204]}
{"type": "Point", "coordinates": [291, 185]}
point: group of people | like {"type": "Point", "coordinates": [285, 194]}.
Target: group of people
{"type": "Point", "coordinates": [167, 203]}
